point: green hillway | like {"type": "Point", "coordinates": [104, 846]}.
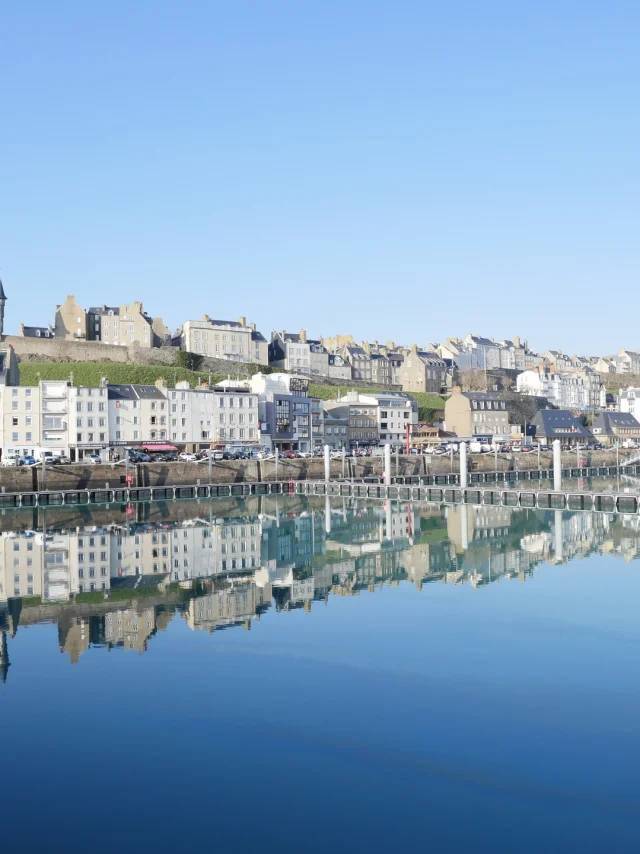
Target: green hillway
{"type": "Point", "coordinates": [90, 374]}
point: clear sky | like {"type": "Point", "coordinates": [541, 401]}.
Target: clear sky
{"type": "Point", "coordinates": [405, 170]}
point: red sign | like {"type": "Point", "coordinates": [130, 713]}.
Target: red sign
{"type": "Point", "coordinates": [129, 479]}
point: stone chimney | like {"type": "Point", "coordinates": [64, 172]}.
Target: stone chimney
{"type": "Point", "coordinates": [303, 335]}
{"type": "Point", "coordinates": [242, 321]}
{"type": "Point", "coordinates": [206, 318]}
{"type": "Point", "coordinates": [252, 327]}
{"type": "Point", "coordinates": [366, 347]}
{"type": "Point", "coordinates": [161, 384]}
{"type": "Point", "coordinates": [516, 341]}
{"type": "Point", "coordinates": [183, 384]}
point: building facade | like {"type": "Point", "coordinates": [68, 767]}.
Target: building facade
{"type": "Point", "coordinates": [234, 340]}
{"type": "Point", "coordinates": [423, 372]}
{"type": "Point", "coordinates": [472, 413]}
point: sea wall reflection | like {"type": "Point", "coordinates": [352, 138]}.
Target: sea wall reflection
{"type": "Point", "coordinates": [110, 579]}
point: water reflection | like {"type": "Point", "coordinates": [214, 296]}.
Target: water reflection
{"type": "Point", "coordinates": [112, 580]}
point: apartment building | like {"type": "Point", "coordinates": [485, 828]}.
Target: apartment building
{"type": "Point", "coordinates": [338, 367]}
{"type": "Point", "coordinates": [336, 427]}
{"type": "Point", "coordinates": [20, 425]}
{"type": "Point", "coordinates": [423, 371]}
{"type": "Point", "coordinates": [567, 390]}
{"type": "Point", "coordinates": [137, 414]}
{"type": "Point", "coordinates": [227, 414]}
{"type": "Point", "coordinates": [124, 325]}
{"type": "Point", "coordinates": [359, 360]}
{"type": "Point", "coordinates": [121, 326]}
{"type": "Point", "coordinates": [374, 419]}
{"type": "Point", "coordinates": [469, 414]}
{"type": "Point", "coordinates": [88, 417]}
{"type": "Point", "coordinates": [285, 410]}
{"type": "Point", "coordinates": [234, 340]}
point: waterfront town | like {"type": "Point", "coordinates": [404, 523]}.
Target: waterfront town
{"type": "Point", "coordinates": [120, 583]}
{"type": "Point", "coordinates": [413, 397]}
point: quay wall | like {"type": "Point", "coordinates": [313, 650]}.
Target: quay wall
{"type": "Point", "coordinates": [79, 477]}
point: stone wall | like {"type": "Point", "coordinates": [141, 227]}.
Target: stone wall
{"type": "Point", "coordinates": [91, 477]}
{"type": "Point", "coordinates": [61, 350]}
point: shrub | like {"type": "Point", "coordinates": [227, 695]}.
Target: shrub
{"type": "Point", "coordinates": [190, 361]}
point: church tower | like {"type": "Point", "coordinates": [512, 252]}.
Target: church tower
{"type": "Point", "coordinates": [3, 300]}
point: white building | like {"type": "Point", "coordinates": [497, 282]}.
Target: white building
{"type": "Point", "coordinates": [568, 390]}
{"type": "Point", "coordinates": [227, 414]}
{"type": "Point", "coordinates": [629, 399]}
{"type": "Point", "coordinates": [137, 414]}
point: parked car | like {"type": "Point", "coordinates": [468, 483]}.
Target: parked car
{"type": "Point", "coordinates": [62, 460]}
{"type": "Point", "coordinates": [94, 459]}
{"type": "Point", "coordinates": [12, 460]}
{"type": "Point", "coordinates": [143, 458]}
{"type": "Point", "coordinates": [28, 461]}
{"type": "Point", "coordinates": [187, 457]}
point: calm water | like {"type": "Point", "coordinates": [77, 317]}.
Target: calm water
{"type": "Point", "coordinates": [287, 675]}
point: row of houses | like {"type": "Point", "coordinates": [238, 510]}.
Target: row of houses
{"type": "Point", "coordinates": [432, 368]}
{"type": "Point", "coordinates": [266, 411]}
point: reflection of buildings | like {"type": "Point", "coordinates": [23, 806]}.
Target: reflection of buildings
{"type": "Point", "coordinates": [230, 603]}
{"type": "Point", "coordinates": [122, 583]}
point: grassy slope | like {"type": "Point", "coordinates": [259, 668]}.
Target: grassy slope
{"type": "Point", "coordinates": [90, 373]}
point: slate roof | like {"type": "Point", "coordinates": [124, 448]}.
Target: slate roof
{"type": "Point", "coordinates": [481, 395]}
{"type": "Point", "coordinates": [607, 422]}
{"type": "Point", "coordinates": [558, 423]}
{"type": "Point", "coordinates": [135, 392]}
{"type": "Point", "coordinates": [226, 323]}
{"type": "Point", "coordinates": [37, 331]}
{"type": "Point", "coordinates": [104, 310]}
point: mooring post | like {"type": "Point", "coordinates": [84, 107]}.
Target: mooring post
{"type": "Point", "coordinates": [557, 465]}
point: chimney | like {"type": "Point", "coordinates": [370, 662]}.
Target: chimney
{"type": "Point", "coordinates": [252, 327]}
{"type": "Point", "coordinates": [303, 335]}
{"type": "Point", "coordinates": [242, 321]}
{"type": "Point", "coordinates": [516, 341]}
{"type": "Point", "coordinates": [366, 347]}
{"type": "Point", "coordinates": [206, 318]}
{"type": "Point", "coordinates": [161, 384]}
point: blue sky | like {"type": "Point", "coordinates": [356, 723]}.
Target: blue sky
{"type": "Point", "coordinates": [405, 170]}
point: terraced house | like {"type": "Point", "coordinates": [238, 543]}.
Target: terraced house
{"type": "Point", "coordinates": [234, 340]}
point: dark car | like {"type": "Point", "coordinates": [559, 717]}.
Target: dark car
{"type": "Point", "coordinates": [144, 458]}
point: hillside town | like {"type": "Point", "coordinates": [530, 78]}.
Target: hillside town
{"type": "Point", "coordinates": [484, 391]}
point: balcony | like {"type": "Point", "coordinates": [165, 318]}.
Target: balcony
{"type": "Point", "coordinates": [57, 391]}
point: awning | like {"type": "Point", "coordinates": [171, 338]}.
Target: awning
{"type": "Point", "coordinates": [159, 447]}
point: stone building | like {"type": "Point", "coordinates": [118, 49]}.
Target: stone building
{"type": "Point", "coordinates": [71, 320]}
{"type": "Point", "coordinates": [235, 340]}
{"type": "Point", "coordinates": [119, 326]}
{"type": "Point", "coordinates": [474, 413]}
{"type": "Point", "coordinates": [612, 427]}
{"type": "Point", "coordinates": [423, 371]}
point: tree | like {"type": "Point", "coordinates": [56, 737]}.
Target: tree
{"type": "Point", "coordinates": [472, 379]}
